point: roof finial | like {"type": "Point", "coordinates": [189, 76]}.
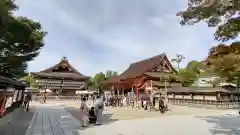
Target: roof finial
{"type": "Point", "coordinates": [64, 58]}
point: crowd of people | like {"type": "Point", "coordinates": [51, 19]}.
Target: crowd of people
{"type": "Point", "coordinates": [94, 114]}
{"type": "Point", "coordinates": [144, 102]}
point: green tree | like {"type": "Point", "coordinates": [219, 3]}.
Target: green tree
{"type": "Point", "coordinates": [90, 81]}
{"type": "Point", "coordinates": [195, 66]}
{"type": "Point", "coordinates": [186, 77]}
{"type": "Point", "coordinates": [215, 82]}
{"type": "Point", "coordinates": [6, 8]}
{"type": "Point", "coordinates": [110, 73]}
{"type": "Point", "coordinates": [98, 80]}
{"type": "Point", "coordinates": [223, 14]}
{"type": "Point", "coordinates": [20, 42]}
{"type": "Point", "coordinates": [225, 60]}
{"type": "Point", "coordinates": [179, 58]}
{"type": "Point", "coordinates": [30, 80]}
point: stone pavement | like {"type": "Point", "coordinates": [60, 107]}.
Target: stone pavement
{"type": "Point", "coordinates": [16, 123]}
{"type": "Point", "coordinates": [52, 119]}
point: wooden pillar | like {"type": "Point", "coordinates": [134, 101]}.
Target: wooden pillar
{"type": "Point", "coordinates": [151, 92]}
{"type": "Point", "coordinates": [17, 95]}
{"type": "Point", "coordinates": [118, 97]}
{"type": "Point", "coordinates": [137, 94]}
{"type": "Point", "coordinates": [2, 104]}
{"type": "Point", "coordinates": [112, 89]}
{"type": "Point", "coordinates": [2, 101]}
{"type": "Point", "coordinates": [117, 92]}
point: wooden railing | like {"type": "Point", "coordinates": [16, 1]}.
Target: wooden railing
{"type": "Point", "coordinates": [185, 102]}
{"type": "Point", "coordinates": [57, 98]}
{"type": "Point", "coordinates": [205, 103]}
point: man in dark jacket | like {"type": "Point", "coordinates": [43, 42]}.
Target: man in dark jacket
{"type": "Point", "coordinates": [27, 99]}
{"type": "Point", "coordinates": [161, 105]}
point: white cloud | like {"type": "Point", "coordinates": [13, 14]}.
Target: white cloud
{"type": "Point", "coordinates": [110, 34]}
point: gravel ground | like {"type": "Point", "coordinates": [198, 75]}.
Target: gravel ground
{"type": "Point", "coordinates": [180, 120]}
{"type": "Point", "coordinates": [125, 113]}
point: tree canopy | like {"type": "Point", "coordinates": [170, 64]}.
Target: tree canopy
{"type": "Point", "coordinates": [179, 58]}
{"type": "Point", "coordinates": [110, 73]}
{"type": "Point", "coordinates": [216, 13]}
{"type": "Point", "coordinates": [225, 60]}
{"type": "Point", "coordinates": [20, 42]}
{"type": "Point", "coordinates": [30, 80]}
{"type": "Point", "coordinates": [195, 66]}
{"type": "Point", "coordinates": [98, 79]}
{"type": "Point", "coordinates": [6, 8]}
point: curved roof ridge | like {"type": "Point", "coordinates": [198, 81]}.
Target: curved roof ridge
{"type": "Point", "coordinates": [64, 60]}
{"type": "Point", "coordinates": [156, 56]}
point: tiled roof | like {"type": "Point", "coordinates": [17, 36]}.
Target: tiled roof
{"type": "Point", "coordinates": [158, 74]}
{"type": "Point", "coordinates": [64, 61]}
{"type": "Point", "coordinates": [10, 82]}
{"type": "Point", "coordinates": [60, 75]}
{"type": "Point", "coordinates": [138, 69]}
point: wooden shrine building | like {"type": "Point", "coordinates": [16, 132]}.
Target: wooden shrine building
{"type": "Point", "coordinates": [154, 75]}
{"type": "Point", "coordinates": [137, 76]}
{"type": "Point", "coordinates": [61, 78]}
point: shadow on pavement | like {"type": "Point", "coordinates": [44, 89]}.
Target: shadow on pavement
{"type": "Point", "coordinates": [224, 125]}
{"type": "Point", "coordinates": [16, 123]}
{"type": "Point", "coordinates": [107, 117]}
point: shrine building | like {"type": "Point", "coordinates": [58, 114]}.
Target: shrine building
{"type": "Point", "coordinates": [62, 78]}
{"type": "Point", "coordinates": [153, 75]}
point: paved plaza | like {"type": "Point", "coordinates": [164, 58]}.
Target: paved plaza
{"type": "Point", "coordinates": [63, 118]}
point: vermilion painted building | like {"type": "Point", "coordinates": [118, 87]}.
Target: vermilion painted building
{"type": "Point", "coordinates": [141, 73]}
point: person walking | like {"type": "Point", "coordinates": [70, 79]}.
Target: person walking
{"type": "Point", "coordinates": [84, 112]}
{"type": "Point", "coordinates": [27, 99]}
{"type": "Point", "coordinates": [99, 106]}
{"type": "Point", "coordinates": [44, 98]}
{"type": "Point", "coordinates": [161, 105]}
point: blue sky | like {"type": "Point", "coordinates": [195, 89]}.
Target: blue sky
{"type": "Point", "coordinates": [97, 35]}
